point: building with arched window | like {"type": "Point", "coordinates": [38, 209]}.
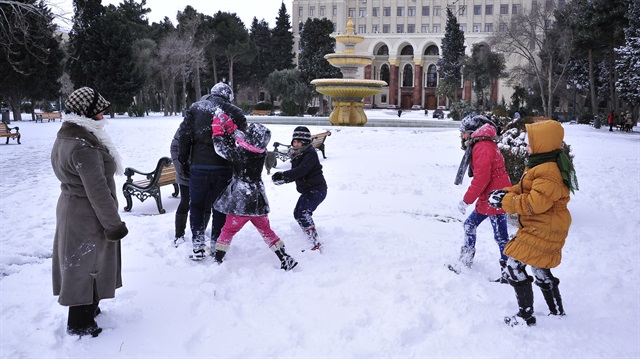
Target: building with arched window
{"type": "Point", "coordinates": [405, 38]}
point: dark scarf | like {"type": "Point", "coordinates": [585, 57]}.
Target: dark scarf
{"type": "Point", "coordinates": [297, 151]}
{"type": "Point", "coordinates": [466, 159]}
{"type": "Point", "coordinates": [564, 164]}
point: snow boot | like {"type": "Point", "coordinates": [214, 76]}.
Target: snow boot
{"type": "Point", "coordinates": [198, 254]}
{"type": "Point", "coordinates": [466, 255]}
{"type": "Point", "coordinates": [286, 261]}
{"type": "Point", "coordinates": [180, 225]}
{"type": "Point", "coordinates": [552, 296]}
{"type": "Point", "coordinates": [504, 274]}
{"type": "Point", "coordinates": [312, 235]}
{"type": "Point", "coordinates": [219, 255]}
{"type": "Point", "coordinates": [81, 320]}
{"type": "Point", "coordinates": [524, 296]}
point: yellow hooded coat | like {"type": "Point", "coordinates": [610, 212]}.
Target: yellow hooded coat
{"type": "Point", "coordinates": [540, 200]}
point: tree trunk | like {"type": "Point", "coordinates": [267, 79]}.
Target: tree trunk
{"type": "Point", "coordinates": [549, 112]}
{"type": "Point", "coordinates": [215, 70]}
{"type": "Point", "coordinates": [196, 80]}
{"type": "Point", "coordinates": [231, 73]}
{"type": "Point", "coordinates": [592, 85]}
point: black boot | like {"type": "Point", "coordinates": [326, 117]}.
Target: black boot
{"type": "Point", "coordinates": [552, 296]}
{"type": "Point", "coordinates": [504, 274]}
{"type": "Point", "coordinates": [219, 255]}
{"type": "Point", "coordinates": [466, 255]}
{"type": "Point", "coordinates": [524, 296]}
{"type": "Point", "coordinates": [181, 224]}
{"type": "Point", "coordinates": [286, 261]}
{"type": "Point", "coordinates": [81, 320]}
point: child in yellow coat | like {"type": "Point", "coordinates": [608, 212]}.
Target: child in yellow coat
{"type": "Point", "coordinates": [540, 200]}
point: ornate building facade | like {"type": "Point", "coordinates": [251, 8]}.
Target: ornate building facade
{"type": "Point", "coordinates": [405, 37]}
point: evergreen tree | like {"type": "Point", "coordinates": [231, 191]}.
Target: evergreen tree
{"type": "Point", "coordinates": [315, 43]}
{"type": "Point", "coordinates": [482, 68]}
{"type": "Point", "coordinates": [264, 62]}
{"type": "Point", "coordinates": [82, 52]}
{"type": "Point", "coordinates": [31, 68]}
{"type": "Point", "coordinates": [628, 62]}
{"type": "Point", "coordinates": [450, 63]}
{"type": "Point", "coordinates": [282, 41]}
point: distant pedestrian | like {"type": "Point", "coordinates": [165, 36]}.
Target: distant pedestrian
{"type": "Point", "coordinates": [399, 112]}
{"type": "Point", "coordinates": [628, 125]}
{"type": "Point", "coordinates": [611, 120]}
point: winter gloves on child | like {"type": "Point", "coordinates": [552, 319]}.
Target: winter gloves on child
{"type": "Point", "coordinates": [278, 178]}
{"type": "Point", "coordinates": [462, 207]}
{"type": "Point", "coordinates": [222, 124]}
{"type": "Point", "coordinates": [495, 198]}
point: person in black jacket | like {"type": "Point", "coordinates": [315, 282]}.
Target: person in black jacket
{"type": "Point", "coordinates": [306, 171]}
{"type": "Point", "coordinates": [208, 173]}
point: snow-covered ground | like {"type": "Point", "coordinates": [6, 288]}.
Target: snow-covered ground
{"type": "Point", "coordinates": [380, 288]}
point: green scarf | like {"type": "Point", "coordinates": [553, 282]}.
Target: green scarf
{"type": "Point", "coordinates": [564, 164]}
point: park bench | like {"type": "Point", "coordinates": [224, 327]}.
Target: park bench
{"type": "Point", "coordinates": [317, 141]}
{"type": "Point", "coordinates": [49, 116]}
{"type": "Point", "coordinates": [163, 175]}
{"type": "Point", "coordinates": [6, 131]}
{"type": "Point", "coordinates": [261, 112]}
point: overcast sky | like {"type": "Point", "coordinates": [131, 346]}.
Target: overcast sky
{"type": "Point", "coordinates": [245, 9]}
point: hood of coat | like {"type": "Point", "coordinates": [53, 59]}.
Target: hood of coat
{"type": "Point", "coordinates": [258, 135]}
{"type": "Point", "coordinates": [485, 130]}
{"type": "Point", "coordinates": [545, 136]}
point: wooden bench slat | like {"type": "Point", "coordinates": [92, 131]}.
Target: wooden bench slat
{"type": "Point", "coordinates": [163, 175]}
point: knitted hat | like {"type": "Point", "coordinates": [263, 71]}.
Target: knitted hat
{"type": "Point", "coordinates": [222, 90]}
{"type": "Point", "coordinates": [303, 134]}
{"type": "Point", "coordinates": [87, 102]}
{"type": "Point", "coordinates": [472, 123]}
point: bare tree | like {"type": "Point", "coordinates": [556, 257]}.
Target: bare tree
{"type": "Point", "coordinates": [545, 49]}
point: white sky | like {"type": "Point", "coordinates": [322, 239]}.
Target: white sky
{"type": "Point", "coordinates": [245, 9]}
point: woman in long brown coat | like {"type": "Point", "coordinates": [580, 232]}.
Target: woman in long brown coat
{"type": "Point", "coordinates": [540, 200]}
{"type": "Point", "coordinates": [86, 247]}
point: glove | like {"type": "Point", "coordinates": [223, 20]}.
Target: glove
{"type": "Point", "coordinates": [278, 178]}
{"type": "Point", "coordinates": [228, 125]}
{"type": "Point", "coordinates": [462, 207]}
{"type": "Point", "coordinates": [185, 166]}
{"type": "Point", "coordinates": [495, 198]}
{"type": "Point", "coordinates": [216, 127]}
{"type": "Point", "coordinates": [116, 234]}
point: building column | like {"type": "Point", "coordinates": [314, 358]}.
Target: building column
{"type": "Point", "coordinates": [367, 76]}
{"type": "Point", "coordinates": [393, 78]}
{"type": "Point", "coordinates": [467, 91]}
{"type": "Point", "coordinates": [417, 83]}
{"type": "Point", "coordinates": [494, 91]}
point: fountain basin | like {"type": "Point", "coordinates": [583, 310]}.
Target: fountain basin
{"type": "Point", "coordinates": [348, 89]}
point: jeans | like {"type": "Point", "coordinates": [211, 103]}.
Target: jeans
{"type": "Point", "coordinates": [500, 233]}
{"type": "Point", "coordinates": [307, 203]}
{"type": "Point", "coordinates": [205, 187]}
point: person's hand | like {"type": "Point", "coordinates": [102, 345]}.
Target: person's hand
{"type": "Point", "coordinates": [278, 178]}
{"type": "Point", "coordinates": [495, 198]}
{"type": "Point", "coordinates": [216, 127]}
{"type": "Point", "coordinates": [185, 167]}
{"type": "Point", "coordinates": [462, 207]}
{"type": "Point", "coordinates": [117, 233]}
{"type": "Point", "coordinates": [227, 123]}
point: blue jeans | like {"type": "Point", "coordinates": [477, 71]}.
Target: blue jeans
{"type": "Point", "coordinates": [307, 203]}
{"type": "Point", "coordinates": [205, 185]}
{"type": "Point", "coordinates": [500, 233]}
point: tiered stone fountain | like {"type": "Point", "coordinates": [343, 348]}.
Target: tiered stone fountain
{"type": "Point", "coordinates": [347, 93]}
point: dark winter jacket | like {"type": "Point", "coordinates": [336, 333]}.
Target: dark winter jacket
{"type": "Point", "coordinates": [194, 135]}
{"type": "Point", "coordinates": [306, 171]}
{"type": "Point", "coordinates": [180, 177]}
{"type": "Point", "coordinates": [488, 168]}
{"type": "Point", "coordinates": [86, 213]}
{"type": "Point", "coordinates": [245, 195]}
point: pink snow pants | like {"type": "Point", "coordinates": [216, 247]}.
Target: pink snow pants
{"type": "Point", "coordinates": [235, 223]}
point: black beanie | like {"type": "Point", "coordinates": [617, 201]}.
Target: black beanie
{"type": "Point", "coordinates": [303, 134]}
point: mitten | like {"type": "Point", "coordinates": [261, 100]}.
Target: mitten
{"type": "Point", "coordinates": [495, 198]}
{"type": "Point", "coordinates": [116, 234]}
{"type": "Point", "coordinates": [216, 127]}
{"type": "Point", "coordinates": [462, 207]}
{"type": "Point", "coordinates": [278, 178]}
{"type": "Point", "coordinates": [227, 123]}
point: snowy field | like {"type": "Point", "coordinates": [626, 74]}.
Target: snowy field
{"type": "Point", "coordinates": [389, 226]}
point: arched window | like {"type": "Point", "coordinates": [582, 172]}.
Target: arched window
{"type": "Point", "coordinates": [407, 76]}
{"type": "Point", "coordinates": [383, 50]}
{"type": "Point", "coordinates": [432, 76]}
{"type": "Point", "coordinates": [432, 51]}
{"type": "Point", "coordinates": [407, 50]}
{"type": "Point", "coordinates": [384, 73]}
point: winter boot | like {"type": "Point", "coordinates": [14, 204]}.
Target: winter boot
{"type": "Point", "coordinates": [81, 320]}
{"type": "Point", "coordinates": [286, 261]}
{"type": "Point", "coordinates": [466, 255]}
{"type": "Point", "coordinates": [504, 274]}
{"type": "Point", "coordinates": [198, 254]}
{"type": "Point", "coordinates": [181, 224]}
{"type": "Point", "coordinates": [552, 296]}
{"type": "Point", "coordinates": [312, 235]}
{"type": "Point", "coordinates": [524, 296]}
{"type": "Point", "coordinates": [219, 255]}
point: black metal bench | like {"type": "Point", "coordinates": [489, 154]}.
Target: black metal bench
{"type": "Point", "coordinates": [6, 131]}
{"type": "Point", "coordinates": [163, 175]}
{"type": "Point", "coordinates": [282, 154]}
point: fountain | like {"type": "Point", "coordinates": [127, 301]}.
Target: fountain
{"type": "Point", "coordinates": [347, 93]}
